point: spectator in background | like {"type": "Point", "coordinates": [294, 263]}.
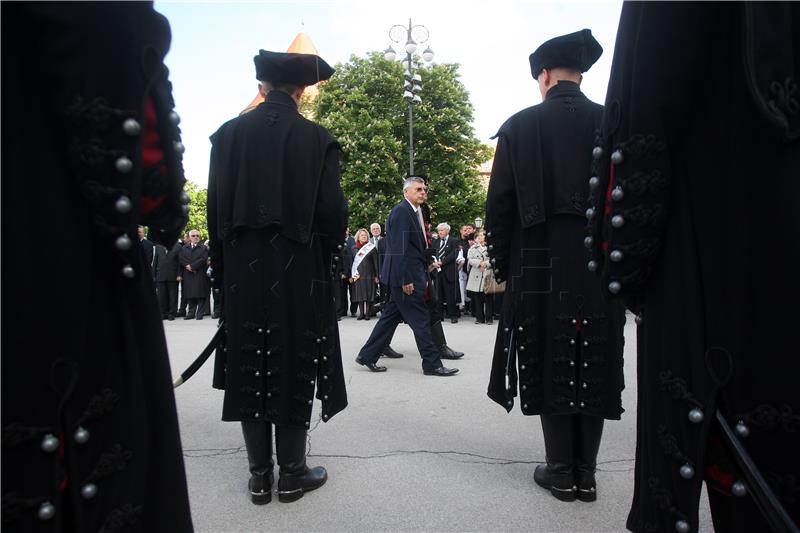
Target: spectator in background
{"type": "Point", "coordinates": [480, 269]}
{"type": "Point", "coordinates": [364, 274]}
{"type": "Point", "coordinates": [168, 274]}
{"type": "Point", "coordinates": [194, 261]}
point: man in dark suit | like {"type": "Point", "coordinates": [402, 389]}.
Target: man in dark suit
{"type": "Point", "coordinates": [405, 272]}
{"type": "Point", "coordinates": [147, 248]}
{"type": "Point", "coordinates": [194, 260]}
{"type": "Point", "coordinates": [167, 267]}
{"type": "Point", "coordinates": [447, 271]}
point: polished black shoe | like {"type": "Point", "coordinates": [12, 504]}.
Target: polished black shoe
{"type": "Point", "coordinates": [445, 352]}
{"type": "Point", "coordinates": [372, 366]}
{"type": "Point", "coordinates": [490, 322]}
{"type": "Point", "coordinates": [360, 317]}
{"type": "Point", "coordinates": [181, 313]}
{"type": "Point", "coordinates": [558, 479]}
{"type": "Point", "coordinates": [454, 321]}
{"type": "Point", "coordinates": [292, 487]}
{"type": "Point", "coordinates": [187, 317]}
{"type": "Point", "coordinates": [199, 317]}
{"type": "Point", "coordinates": [170, 317]}
{"type": "Point", "coordinates": [441, 372]}
{"type": "Point", "coordinates": [391, 354]}
{"type": "Point", "coordinates": [215, 316]}
{"type": "Point", "coordinates": [260, 489]}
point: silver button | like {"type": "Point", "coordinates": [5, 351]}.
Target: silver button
{"type": "Point", "coordinates": [591, 266]}
{"type": "Point", "coordinates": [521, 348]}
{"type": "Point", "coordinates": [572, 404]}
{"type": "Point", "coordinates": [572, 342]}
{"type": "Point", "coordinates": [589, 213]}
{"type": "Point", "coordinates": [324, 338]}
{"type": "Point", "coordinates": [585, 364]}
{"type": "Point", "coordinates": [316, 361]}
{"type": "Point", "coordinates": [269, 395]}
{"type": "Point", "coordinates": [128, 271]}
{"type": "Point", "coordinates": [268, 331]}
{"type": "Point", "coordinates": [311, 382]}
{"type": "Point", "coordinates": [123, 204]}
{"type": "Point", "coordinates": [123, 242]}
{"type": "Point", "coordinates": [174, 118]}
{"type": "Point", "coordinates": [258, 373]}
{"type": "Point", "coordinates": [325, 376]}
{"type": "Point", "coordinates": [260, 331]}
{"type": "Point", "coordinates": [742, 430]}
{"type": "Point", "coordinates": [269, 352]}
{"type": "Point", "coordinates": [614, 287]}
{"type": "Point", "coordinates": [524, 387]}
{"type": "Point", "coordinates": [594, 182]}
{"type": "Point", "coordinates": [319, 341]}
{"type": "Point", "coordinates": [522, 367]}
{"type": "Point", "coordinates": [572, 363]}
{"type": "Point", "coordinates": [585, 344]}
{"type": "Point", "coordinates": [258, 394]}
{"type": "Point", "coordinates": [585, 322]}
{"type": "Point", "coordinates": [310, 402]}
{"type": "Point", "coordinates": [617, 194]}
{"type": "Point", "coordinates": [739, 489]}
{"type": "Point", "coordinates": [639, 319]}
{"type": "Point", "coordinates": [49, 443]}
{"type": "Point", "coordinates": [179, 147]}
{"type": "Point", "coordinates": [505, 329]}
{"type": "Point", "coordinates": [682, 526]}
{"type": "Point", "coordinates": [525, 406]}
{"type": "Point", "coordinates": [686, 471]}
{"type": "Point", "coordinates": [88, 491]}
{"type": "Point", "coordinates": [616, 256]}
{"type": "Point", "coordinates": [696, 416]}
{"type": "Point", "coordinates": [574, 321]}
{"type": "Point", "coordinates": [131, 127]}
{"type": "Point", "coordinates": [582, 405]}
{"type": "Point", "coordinates": [617, 221]}
{"type": "Point", "coordinates": [307, 424]}
{"type": "Point", "coordinates": [257, 415]}
{"type": "Point", "coordinates": [46, 511]}
{"type": "Point", "coordinates": [324, 357]}
{"type": "Point", "coordinates": [325, 397]}
{"type": "Point", "coordinates": [123, 165]}
{"type": "Point", "coordinates": [325, 417]}
{"type": "Point", "coordinates": [520, 328]}
{"type": "Point", "coordinates": [588, 241]}
{"type": "Point", "coordinates": [584, 385]}
{"type": "Point", "coordinates": [269, 373]}
{"type": "Point", "coordinates": [185, 198]}
{"type": "Point", "coordinates": [258, 352]}
{"type": "Point", "coordinates": [597, 152]}
{"type": "Point", "coordinates": [510, 403]}
{"type": "Point", "coordinates": [571, 383]}
{"type": "Point", "coordinates": [617, 157]}
{"type": "Point", "coordinates": [184, 209]}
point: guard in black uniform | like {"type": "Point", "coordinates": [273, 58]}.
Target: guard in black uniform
{"type": "Point", "coordinates": [276, 215]}
{"type": "Point", "coordinates": [697, 199]}
{"type": "Point", "coordinates": [558, 337]}
{"type": "Point", "coordinates": [90, 139]}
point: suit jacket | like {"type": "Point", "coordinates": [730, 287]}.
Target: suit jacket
{"type": "Point", "coordinates": [405, 260]}
{"type": "Point", "coordinates": [166, 263]}
{"type": "Point", "coordinates": [448, 258]}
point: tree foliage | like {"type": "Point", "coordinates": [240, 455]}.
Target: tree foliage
{"type": "Point", "coordinates": [362, 106]}
{"type": "Point", "coordinates": [198, 200]}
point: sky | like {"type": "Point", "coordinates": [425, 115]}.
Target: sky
{"type": "Point", "coordinates": [213, 44]}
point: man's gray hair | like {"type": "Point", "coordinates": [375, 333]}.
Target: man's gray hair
{"type": "Point", "coordinates": [410, 181]}
{"type": "Point", "coordinates": [443, 225]}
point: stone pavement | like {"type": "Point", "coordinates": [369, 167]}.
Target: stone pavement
{"type": "Point", "coordinates": [410, 453]}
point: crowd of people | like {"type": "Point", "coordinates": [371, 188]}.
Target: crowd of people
{"type": "Point", "coordinates": [459, 267]}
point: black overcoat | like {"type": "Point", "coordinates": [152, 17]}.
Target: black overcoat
{"type": "Point", "coordinates": [274, 260]}
{"type": "Point", "coordinates": [557, 334]}
{"type": "Point", "coordinates": [195, 283]}
{"type": "Point", "coordinates": [702, 111]}
{"type": "Point", "coordinates": [90, 434]}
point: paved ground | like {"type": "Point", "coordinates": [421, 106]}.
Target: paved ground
{"type": "Point", "coordinates": [410, 453]}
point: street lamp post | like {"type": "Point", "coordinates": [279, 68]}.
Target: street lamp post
{"type": "Point", "coordinates": [410, 36]}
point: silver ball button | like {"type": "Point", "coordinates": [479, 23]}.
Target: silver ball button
{"type": "Point", "coordinates": [617, 157]}
{"type": "Point", "coordinates": [617, 194]}
{"type": "Point", "coordinates": [739, 489]}
{"type": "Point", "coordinates": [88, 491]}
{"type": "Point", "coordinates": [128, 271]}
{"type": "Point", "coordinates": [131, 127]}
{"type": "Point", "coordinates": [49, 443]}
{"type": "Point", "coordinates": [123, 204]}
{"type": "Point", "coordinates": [46, 511]}
{"type": "Point", "coordinates": [588, 241]}
{"type": "Point", "coordinates": [617, 221]}
{"type": "Point", "coordinates": [597, 152]}
{"type": "Point", "coordinates": [639, 319]}
{"type": "Point", "coordinates": [179, 147]}
{"type": "Point", "coordinates": [696, 416]}
{"type": "Point", "coordinates": [589, 213]}
{"type": "Point", "coordinates": [123, 165]}
{"type": "Point", "coordinates": [614, 287]}
{"type": "Point", "coordinates": [616, 256]}
{"type": "Point", "coordinates": [682, 526]}
{"type": "Point", "coordinates": [174, 118]}
{"type": "Point", "coordinates": [123, 242]}
{"type": "Point", "coordinates": [594, 182]}
{"type": "Point", "coordinates": [686, 471]}
{"type": "Point", "coordinates": [591, 266]}
{"type": "Point", "coordinates": [742, 430]}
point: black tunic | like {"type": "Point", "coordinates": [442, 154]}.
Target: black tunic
{"type": "Point", "coordinates": [557, 335]}
{"type": "Point", "coordinates": [274, 262]}
{"type": "Point", "coordinates": [704, 114]}
{"type": "Point", "coordinates": [89, 421]}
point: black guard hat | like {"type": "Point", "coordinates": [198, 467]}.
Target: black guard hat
{"type": "Point", "coordinates": [296, 69]}
{"type": "Point", "coordinates": [577, 50]}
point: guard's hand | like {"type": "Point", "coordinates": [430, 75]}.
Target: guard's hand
{"type": "Point", "coordinates": [408, 289]}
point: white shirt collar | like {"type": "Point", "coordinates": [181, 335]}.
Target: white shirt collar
{"type": "Point", "coordinates": [412, 205]}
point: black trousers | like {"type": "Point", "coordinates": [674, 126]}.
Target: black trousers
{"type": "Point", "coordinates": [448, 294]}
{"type": "Point", "coordinates": [411, 309]}
{"type": "Point", "coordinates": [168, 297]}
{"type": "Point", "coordinates": [195, 307]}
{"type": "Point", "coordinates": [482, 306]}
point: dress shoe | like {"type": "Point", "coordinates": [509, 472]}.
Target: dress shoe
{"type": "Point", "coordinates": [215, 315]}
{"type": "Point", "coordinates": [445, 352]}
{"type": "Point", "coordinates": [372, 366]}
{"type": "Point", "coordinates": [360, 317]}
{"type": "Point", "coordinates": [199, 318]}
{"type": "Point", "coordinates": [490, 322]}
{"type": "Point", "coordinates": [188, 317]}
{"type": "Point", "coordinates": [367, 317]}
{"type": "Point", "coordinates": [454, 321]}
{"type": "Point", "coordinates": [391, 354]}
{"type": "Point", "coordinates": [170, 317]}
{"type": "Point", "coordinates": [441, 372]}
{"type": "Point", "coordinates": [181, 313]}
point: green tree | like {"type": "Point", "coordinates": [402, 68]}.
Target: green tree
{"type": "Point", "coordinates": [198, 199]}
{"type": "Point", "coordinates": [362, 106]}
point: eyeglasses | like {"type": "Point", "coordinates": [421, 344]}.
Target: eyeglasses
{"type": "Point", "coordinates": [194, 235]}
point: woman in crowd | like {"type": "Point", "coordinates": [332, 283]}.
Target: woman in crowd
{"type": "Point", "coordinates": [480, 271]}
{"type": "Point", "coordinates": [364, 274]}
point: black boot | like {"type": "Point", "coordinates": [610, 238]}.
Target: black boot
{"type": "Point", "coordinates": [295, 477]}
{"type": "Point", "coordinates": [390, 353]}
{"type": "Point", "coordinates": [589, 430]}
{"type": "Point", "coordinates": [558, 474]}
{"type": "Point", "coordinates": [258, 441]}
{"type": "Point", "coordinates": [445, 352]}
